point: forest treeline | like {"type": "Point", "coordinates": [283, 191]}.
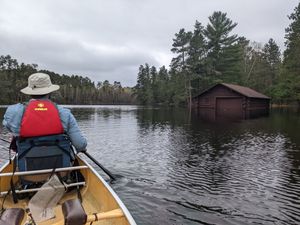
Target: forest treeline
{"type": "Point", "coordinates": [73, 89]}
{"type": "Point", "coordinates": [213, 53]}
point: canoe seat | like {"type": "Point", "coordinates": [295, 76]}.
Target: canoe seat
{"type": "Point", "coordinates": [44, 152]}
{"type": "Point", "coordinates": [74, 213]}
{"type": "Point", "coordinates": [12, 216]}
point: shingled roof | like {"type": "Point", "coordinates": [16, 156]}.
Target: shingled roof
{"type": "Point", "coordinates": [248, 92]}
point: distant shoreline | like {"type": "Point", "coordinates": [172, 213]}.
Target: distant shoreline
{"type": "Point", "coordinates": [293, 105]}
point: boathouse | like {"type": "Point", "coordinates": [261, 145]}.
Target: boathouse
{"type": "Point", "coordinates": [231, 101]}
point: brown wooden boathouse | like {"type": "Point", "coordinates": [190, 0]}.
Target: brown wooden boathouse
{"type": "Point", "coordinates": [231, 101]}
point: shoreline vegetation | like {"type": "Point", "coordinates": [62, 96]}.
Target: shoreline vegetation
{"type": "Point", "coordinates": [213, 53]}
{"type": "Point", "coordinates": [74, 89]}
{"type": "Point", "coordinates": [209, 54]}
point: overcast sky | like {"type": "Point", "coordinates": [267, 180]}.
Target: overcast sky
{"type": "Point", "coordinates": [110, 39]}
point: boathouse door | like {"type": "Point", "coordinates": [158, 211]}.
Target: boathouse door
{"type": "Point", "coordinates": [229, 107]}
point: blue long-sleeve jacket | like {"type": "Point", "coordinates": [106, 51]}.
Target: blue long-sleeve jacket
{"type": "Point", "coordinates": [13, 117]}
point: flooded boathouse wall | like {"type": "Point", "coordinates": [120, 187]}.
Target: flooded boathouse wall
{"type": "Point", "coordinates": [231, 101]}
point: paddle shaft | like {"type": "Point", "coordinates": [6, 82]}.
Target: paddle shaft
{"type": "Point", "coordinates": [5, 140]}
{"type": "Point", "coordinates": [116, 213]}
{"type": "Point", "coordinates": [98, 164]}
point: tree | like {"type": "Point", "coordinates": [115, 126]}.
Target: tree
{"type": "Point", "coordinates": [74, 89]}
{"type": "Point", "coordinates": [271, 54]}
{"type": "Point", "coordinates": [154, 84]}
{"type": "Point", "coordinates": [291, 63]}
{"type": "Point", "coordinates": [143, 88]}
{"type": "Point", "coordinates": [163, 85]}
{"type": "Point", "coordinates": [180, 47]}
{"type": "Point", "coordinates": [196, 59]}
{"type": "Point", "coordinates": [219, 42]}
{"type": "Point", "coordinates": [197, 50]}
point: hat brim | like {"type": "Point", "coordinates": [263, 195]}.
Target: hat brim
{"type": "Point", "coordinates": [40, 91]}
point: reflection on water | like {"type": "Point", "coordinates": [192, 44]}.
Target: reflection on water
{"type": "Point", "coordinates": [178, 169]}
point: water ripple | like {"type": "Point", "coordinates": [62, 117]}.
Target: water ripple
{"type": "Point", "coordinates": [176, 169]}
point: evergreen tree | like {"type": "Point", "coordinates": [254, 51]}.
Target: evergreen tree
{"type": "Point", "coordinates": [163, 86]}
{"type": "Point", "coordinates": [272, 54]}
{"type": "Point", "coordinates": [291, 63]}
{"type": "Point", "coordinates": [197, 51]}
{"type": "Point", "coordinates": [73, 89]}
{"type": "Point", "coordinates": [196, 59]}
{"type": "Point", "coordinates": [181, 44]}
{"type": "Point", "coordinates": [219, 43]}
{"type": "Point", "coordinates": [143, 87]}
{"type": "Point", "coordinates": [180, 47]}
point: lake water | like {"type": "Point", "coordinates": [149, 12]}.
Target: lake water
{"type": "Point", "coordinates": [174, 168]}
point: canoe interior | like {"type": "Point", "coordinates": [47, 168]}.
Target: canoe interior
{"type": "Point", "coordinates": [95, 198]}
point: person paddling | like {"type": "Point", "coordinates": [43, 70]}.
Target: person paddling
{"type": "Point", "coordinates": [44, 132]}
{"type": "Point", "coordinates": [40, 116]}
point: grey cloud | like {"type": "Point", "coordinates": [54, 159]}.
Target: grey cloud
{"type": "Point", "coordinates": [110, 39]}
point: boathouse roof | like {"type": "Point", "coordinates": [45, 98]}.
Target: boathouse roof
{"type": "Point", "coordinates": [248, 92]}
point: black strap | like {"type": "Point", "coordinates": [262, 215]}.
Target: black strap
{"type": "Point", "coordinates": [77, 187]}
{"type": "Point", "coordinates": [61, 181]}
{"type": "Point", "coordinates": [96, 218]}
{"type": "Point", "coordinates": [77, 180]}
{"type": "Point", "coordinates": [58, 175]}
{"type": "Point", "coordinates": [30, 215]}
{"type": "Point", "coordinates": [12, 185]}
{"type": "Point", "coordinates": [25, 152]}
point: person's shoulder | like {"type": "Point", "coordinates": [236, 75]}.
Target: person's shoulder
{"type": "Point", "coordinates": [65, 112]}
{"type": "Point", "coordinates": [63, 109]}
{"type": "Point", "coordinates": [15, 108]}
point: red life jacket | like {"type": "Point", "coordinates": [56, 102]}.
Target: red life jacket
{"type": "Point", "coordinates": [41, 118]}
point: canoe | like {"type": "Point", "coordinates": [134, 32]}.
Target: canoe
{"type": "Point", "coordinates": [99, 201]}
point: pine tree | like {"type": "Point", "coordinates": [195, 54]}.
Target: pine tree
{"type": "Point", "coordinates": [181, 44]}
{"type": "Point", "coordinates": [154, 84]}
{"type": "Point", "coordinates": [219, 42]}
{"type": "Point", "coordinates": [271, 54]}
{"type": "Point", "coordinates": [143, 87]}
{"type": "Point", "coordinates": [196, 60]}
{"type": "Point", "coordinates": [291, 62]}
{"type": "Point", "coordinates": [197, 51]}
{"type": "Point", "coordinates": [180, 47]}
{"type": "Point", "coordinates": [163, 89]}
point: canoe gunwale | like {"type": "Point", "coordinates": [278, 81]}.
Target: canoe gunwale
{"type": "Point", "coordinates": [112, 192]}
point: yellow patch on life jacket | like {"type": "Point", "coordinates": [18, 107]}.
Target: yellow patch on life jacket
{"type": "Point", "coordinates": [40, 107]}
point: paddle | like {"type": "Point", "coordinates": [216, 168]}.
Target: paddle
{"type": "Point", "coordinates": [98, 164]}
{"type": "Point", "coordinates": [5, 140]}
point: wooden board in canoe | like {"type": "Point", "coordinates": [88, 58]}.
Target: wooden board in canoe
{"type": "Point", "coordinates": [97, 197]}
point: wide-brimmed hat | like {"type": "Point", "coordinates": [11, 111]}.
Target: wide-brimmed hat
{"type": "Point", "coordinates": [39, 84]}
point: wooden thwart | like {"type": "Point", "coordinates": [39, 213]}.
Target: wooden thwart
{"type": "Point", "coordinates": [35, 172]}
{"type": "Point", "coordinates": [38, 189]}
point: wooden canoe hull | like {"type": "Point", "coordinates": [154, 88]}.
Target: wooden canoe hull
{"type": "Point", "coordinates": [97, 197]}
